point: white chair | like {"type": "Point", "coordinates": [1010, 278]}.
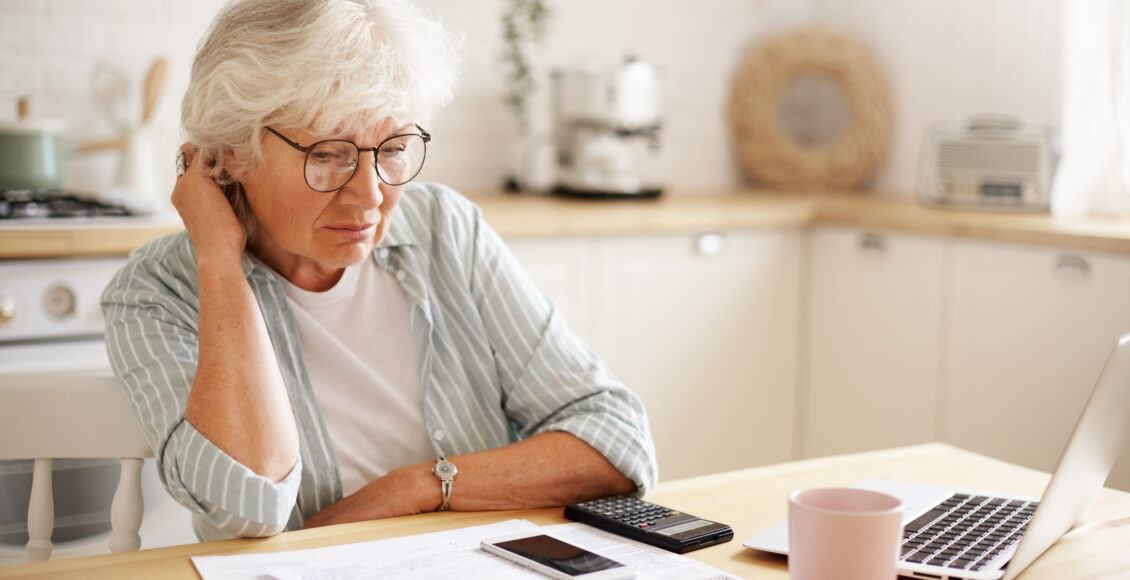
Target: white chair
{"type": "Point", "coordinates": [79, 415]}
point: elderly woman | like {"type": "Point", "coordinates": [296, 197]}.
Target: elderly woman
{"type": "Point", "coordinates": [327, 342]}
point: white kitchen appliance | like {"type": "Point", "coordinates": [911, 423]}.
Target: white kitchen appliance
{"type": "Point", "coordinates": [51, 327]}
{"type": "Point", "coordinates": [607, 123]}
{"type": "Point", "coordinates": [987, 162]}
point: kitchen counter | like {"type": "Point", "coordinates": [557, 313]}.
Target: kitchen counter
{"type": "Point", "coordinates": [546, 216]}
{"type": "Point", "coordinates": [533, 216]}
{"type": "Point", "coordinates": [84, 238]}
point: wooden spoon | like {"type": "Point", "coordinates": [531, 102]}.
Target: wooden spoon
{"type": "Point", "coordinates": [154, 82]}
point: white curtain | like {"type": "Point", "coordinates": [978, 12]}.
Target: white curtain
{"type": "Point", "coordinates": [1094, 172]}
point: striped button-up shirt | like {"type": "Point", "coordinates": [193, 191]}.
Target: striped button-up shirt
{"type": "Point", "coordinates": [497, 363]}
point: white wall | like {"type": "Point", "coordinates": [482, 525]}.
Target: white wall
{"type": "Point", "coordinates": [952, 58]}
{"type": "Point", "coordinates": [696, 45]}
{"type": "Point", "coordinates": [945, 58]}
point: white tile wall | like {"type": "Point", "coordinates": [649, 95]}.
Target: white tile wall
{"type": "Point", "coordinates": [49, 50]}
{"type": "Point", "coordinates": [944, 58]}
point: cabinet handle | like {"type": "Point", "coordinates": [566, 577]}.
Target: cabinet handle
{"type": "Point", "coordinates": [872, 242]}
{"type": "Point", "coordinates": [710, 244]}
{"type": "Point", "coordinates": [7, 310]}
{"type": "Point", "coordinates": [1072, 265]}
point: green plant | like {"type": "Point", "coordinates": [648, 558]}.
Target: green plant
{"type": "Point", "coordinates": [524, 24]}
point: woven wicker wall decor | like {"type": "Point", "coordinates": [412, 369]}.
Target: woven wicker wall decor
{"type": "Point", "coordinates": [773, 157]}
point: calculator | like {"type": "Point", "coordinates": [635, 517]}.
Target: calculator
{"type": "Point", "coordinates": [650, 523]}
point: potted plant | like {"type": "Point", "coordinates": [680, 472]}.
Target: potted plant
{"type": "Point", "coordinates": [524, 24]}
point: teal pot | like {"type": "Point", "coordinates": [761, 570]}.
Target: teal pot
{"type": "Point", "coordinates": [33, 155]}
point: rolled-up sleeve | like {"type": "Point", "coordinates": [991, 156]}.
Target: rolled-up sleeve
{"type": "Point", "coordinates": [150, 309]}
{"type": "Point", "coordinates": [551, 380]}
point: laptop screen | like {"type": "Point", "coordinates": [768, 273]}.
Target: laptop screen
{"type": "Point", "coordinates": [1083, 467]}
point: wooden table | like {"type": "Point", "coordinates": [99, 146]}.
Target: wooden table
{"type": "Point", "coordinates": [750, 500]}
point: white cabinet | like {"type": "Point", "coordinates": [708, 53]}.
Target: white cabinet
{"type": "Point", "coordinates": [705, 330]}
{"type": "Point", "coordinates": [562, 269]}
{"type": "Point", "coordinates": [874, 319]}
{"type": "Point", "coordinates": [901, 339]}
{"type": "Point", "coordinates": [1028, 332]}
{"type": "Point", "coordinates": [703, 327]}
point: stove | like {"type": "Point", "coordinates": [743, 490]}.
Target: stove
{"type": "Point", "coordinates": [52, 204]}
{"type": "Point", "coordinates": [53, 300]}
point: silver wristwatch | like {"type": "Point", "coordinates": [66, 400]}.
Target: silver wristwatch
{"type": "Point", "coordinates": [445, 471]}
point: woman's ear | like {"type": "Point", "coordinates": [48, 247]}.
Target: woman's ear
{"type": "Point", "coordinates": [234, 168]}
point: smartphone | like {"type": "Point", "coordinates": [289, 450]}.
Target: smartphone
{"type": "Point", "coordinates": [556, 558]}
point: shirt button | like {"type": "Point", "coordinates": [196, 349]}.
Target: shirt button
{"type": "Point", "coordinates": [400, 275]}
{"type": "Point", "coordinates": [383, 253]}
{"type": "Point", "coordinates": [439, 435]}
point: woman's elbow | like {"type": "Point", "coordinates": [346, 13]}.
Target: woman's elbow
{"type": "Point", "coordinates": [236, 527]}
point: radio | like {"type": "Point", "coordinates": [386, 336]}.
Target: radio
{"type": "Point", "coordinates": [987, 162]}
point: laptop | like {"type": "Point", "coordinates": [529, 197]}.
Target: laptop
{"type": "Point", "coordinates": [953, 533]}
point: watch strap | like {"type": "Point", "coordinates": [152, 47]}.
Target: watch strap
{"type": "Point", "coordinates": [445, 488]}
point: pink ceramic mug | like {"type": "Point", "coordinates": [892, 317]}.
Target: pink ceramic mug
{"type": "Point", "coordinates": [843, 533]}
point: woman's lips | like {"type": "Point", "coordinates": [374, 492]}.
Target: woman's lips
{"type": "Point", "coordinates": [354, 232]}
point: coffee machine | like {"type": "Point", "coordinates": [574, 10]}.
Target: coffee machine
{"type": "Point", "coordinates": [607, 123]}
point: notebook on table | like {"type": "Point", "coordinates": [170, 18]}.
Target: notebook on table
{"type": "Point", "coordinates": [953, 533]}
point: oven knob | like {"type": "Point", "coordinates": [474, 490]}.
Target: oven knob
{"type": "Point", "coordinates": [59, 302]}
{"type": "Point", "coordinates": [7, 310]}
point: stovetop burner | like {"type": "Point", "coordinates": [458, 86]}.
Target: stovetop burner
{"type": "Point", "coordinates": [25, 204]}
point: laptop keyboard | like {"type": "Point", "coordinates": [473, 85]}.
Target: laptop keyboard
{"type": "Point", "coordinates": [966, 531]}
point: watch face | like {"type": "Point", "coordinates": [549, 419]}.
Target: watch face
{"type": "Point", "coordinates": [445, 469]}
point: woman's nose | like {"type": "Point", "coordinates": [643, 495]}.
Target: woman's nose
{"type": "Point", "coordinates": [364, 189]}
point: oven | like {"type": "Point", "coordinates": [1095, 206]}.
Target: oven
{"type": "Point", "coordinates": [51, 326]}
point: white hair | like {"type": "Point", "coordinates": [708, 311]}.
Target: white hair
{"type": "Point", "coordinates": [329, 66]}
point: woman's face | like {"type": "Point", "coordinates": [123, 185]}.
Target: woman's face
{"type": "Point", "coordinates": [310, 236]}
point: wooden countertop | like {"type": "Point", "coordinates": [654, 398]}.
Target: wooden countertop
{"type": "Point", "coordinates": [546, 216]}
{"type": "Point", "coordinates": [749, 500]}
{"type": "Point", "coordinates": [534, 216]}
{"type": "Point", "coordinates": [109, 237]}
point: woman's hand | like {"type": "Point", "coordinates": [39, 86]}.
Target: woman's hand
{"type": "Point", "coordinates": [206, 212]}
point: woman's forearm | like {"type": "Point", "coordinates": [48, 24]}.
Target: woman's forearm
{"type": "Point", "coordinates": [549, 469]}
{"type": "Point", "coordinates": [238, 399]}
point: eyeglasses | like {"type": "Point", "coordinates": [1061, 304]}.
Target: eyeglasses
{"type": "Point", "coordinates": [330, 164]}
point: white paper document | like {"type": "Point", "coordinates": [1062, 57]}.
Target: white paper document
{"type": "Point", "coordinates": [445, 555]}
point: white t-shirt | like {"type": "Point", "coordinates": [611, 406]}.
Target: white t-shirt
{"type": "Point", "coordinates": [357, 342]}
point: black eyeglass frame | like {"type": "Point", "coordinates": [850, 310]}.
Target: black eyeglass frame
{"type": "Point", "coordinates": [423, 134]}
